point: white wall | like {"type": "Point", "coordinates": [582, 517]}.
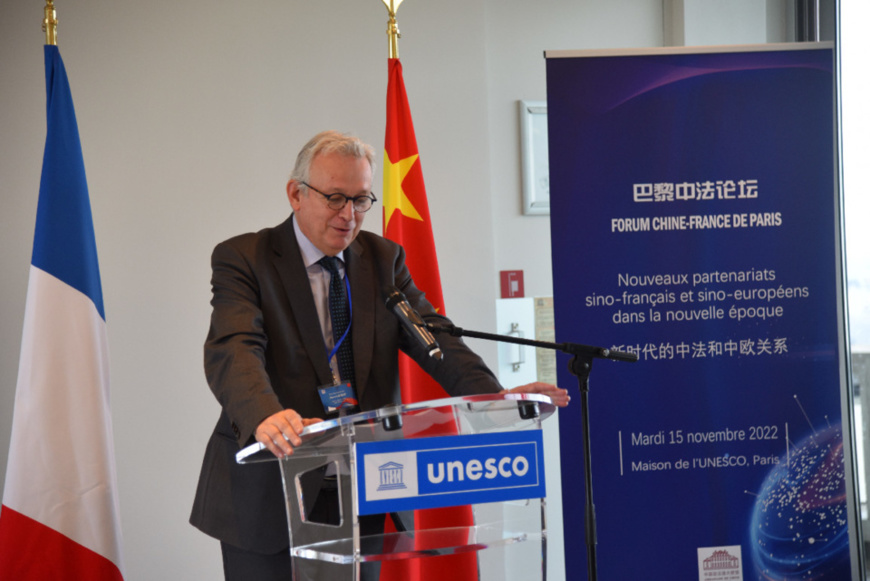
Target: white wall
{"type": "Point", "coordinates": [713, 22]}
{"type": "Point", "coordinates": [190, 115]}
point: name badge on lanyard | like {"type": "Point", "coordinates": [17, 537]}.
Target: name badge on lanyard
{"type": "Point", "coordinates": [339, 395]}
{"type": "Point", "coordinates": [335, 397]}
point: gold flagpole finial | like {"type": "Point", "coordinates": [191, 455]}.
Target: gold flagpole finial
{"type": "Point", "coordinates": [392, 27]}
{"type": "Point", "coordinates": [49, 23]}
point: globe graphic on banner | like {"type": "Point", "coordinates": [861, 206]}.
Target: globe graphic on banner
{"type": "Point", "coordinates": [799, 522]}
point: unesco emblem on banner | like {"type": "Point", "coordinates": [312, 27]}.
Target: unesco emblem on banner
{"type": "Point", "coordinates": [392, 476]}
{"type": "Point", "coordinates": [720, 564]}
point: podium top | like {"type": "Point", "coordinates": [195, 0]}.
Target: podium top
{"type": "Point", "coordinates": [471, 414]}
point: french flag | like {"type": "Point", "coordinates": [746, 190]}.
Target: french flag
{"type": "Point", "coordinates": [60, 517]}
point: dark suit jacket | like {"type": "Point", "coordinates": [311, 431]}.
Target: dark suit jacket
{"type": "Point", "coordinates": [265, 352]}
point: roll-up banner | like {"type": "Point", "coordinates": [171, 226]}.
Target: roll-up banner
{"type": "Point", "coordinates": [695, 222]}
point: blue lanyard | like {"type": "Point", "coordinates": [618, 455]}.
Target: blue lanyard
{"type": "Point", "coordinates": [346, 331]}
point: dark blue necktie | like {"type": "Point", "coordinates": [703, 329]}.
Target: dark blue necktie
{"type": "Point", "coordinates": [339, 312]}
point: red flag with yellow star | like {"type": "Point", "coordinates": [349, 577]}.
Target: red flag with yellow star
{"type": "Point", "coordinates": [406, 221]}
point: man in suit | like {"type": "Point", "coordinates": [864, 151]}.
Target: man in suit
{"type": "Point", "coordinates": [270, 346]}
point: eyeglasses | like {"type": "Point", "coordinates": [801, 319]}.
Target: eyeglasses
{"type": "Point", "coordinates": [337, 201]}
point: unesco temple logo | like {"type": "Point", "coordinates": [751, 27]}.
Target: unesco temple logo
{"type": "Point", "coordinates": [392, 476]}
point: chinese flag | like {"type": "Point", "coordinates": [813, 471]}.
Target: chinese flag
{"type": "Point", "coordinates": [406, 221]}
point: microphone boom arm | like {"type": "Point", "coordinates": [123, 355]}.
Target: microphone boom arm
{"type": "Point", "coordinates": [575, 349]}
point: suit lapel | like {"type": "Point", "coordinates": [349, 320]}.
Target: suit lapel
{"type": "Point", "coordinates": [291, 269]}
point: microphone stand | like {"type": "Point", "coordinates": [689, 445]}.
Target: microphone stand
{"type": "Point", "coordinates": [580, 366]}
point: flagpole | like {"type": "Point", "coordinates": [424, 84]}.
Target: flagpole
{"type": "Point", "coordinates": [392, 27]}
{"type": "Point", "coordinates": [49, 23]}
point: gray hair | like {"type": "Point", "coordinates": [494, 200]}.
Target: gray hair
{"type": "Point", "coordinates": [330, 142]}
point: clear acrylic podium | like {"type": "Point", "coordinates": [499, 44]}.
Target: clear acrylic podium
{"type": "Point", "coordinates": [509, 515]}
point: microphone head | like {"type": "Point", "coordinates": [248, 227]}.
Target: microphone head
{"type": "Point", "coordinates": [394, 297]}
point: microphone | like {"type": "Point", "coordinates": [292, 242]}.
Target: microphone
{"type": "Point", "coordinates": [413, 322]}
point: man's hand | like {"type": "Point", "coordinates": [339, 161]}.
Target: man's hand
{"type": "Point", "coordinates": [280, 432]}
{"type": "Point", "coordinates": [559, 396]}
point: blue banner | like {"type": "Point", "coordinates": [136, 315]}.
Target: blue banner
{"type": "Point", "coordinates": [693, 210]}
{"type": "Point", "coordinates": [398, 475]}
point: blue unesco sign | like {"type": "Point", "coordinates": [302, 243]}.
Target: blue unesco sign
{"type": "Point", "coordinates": [449, 470]}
